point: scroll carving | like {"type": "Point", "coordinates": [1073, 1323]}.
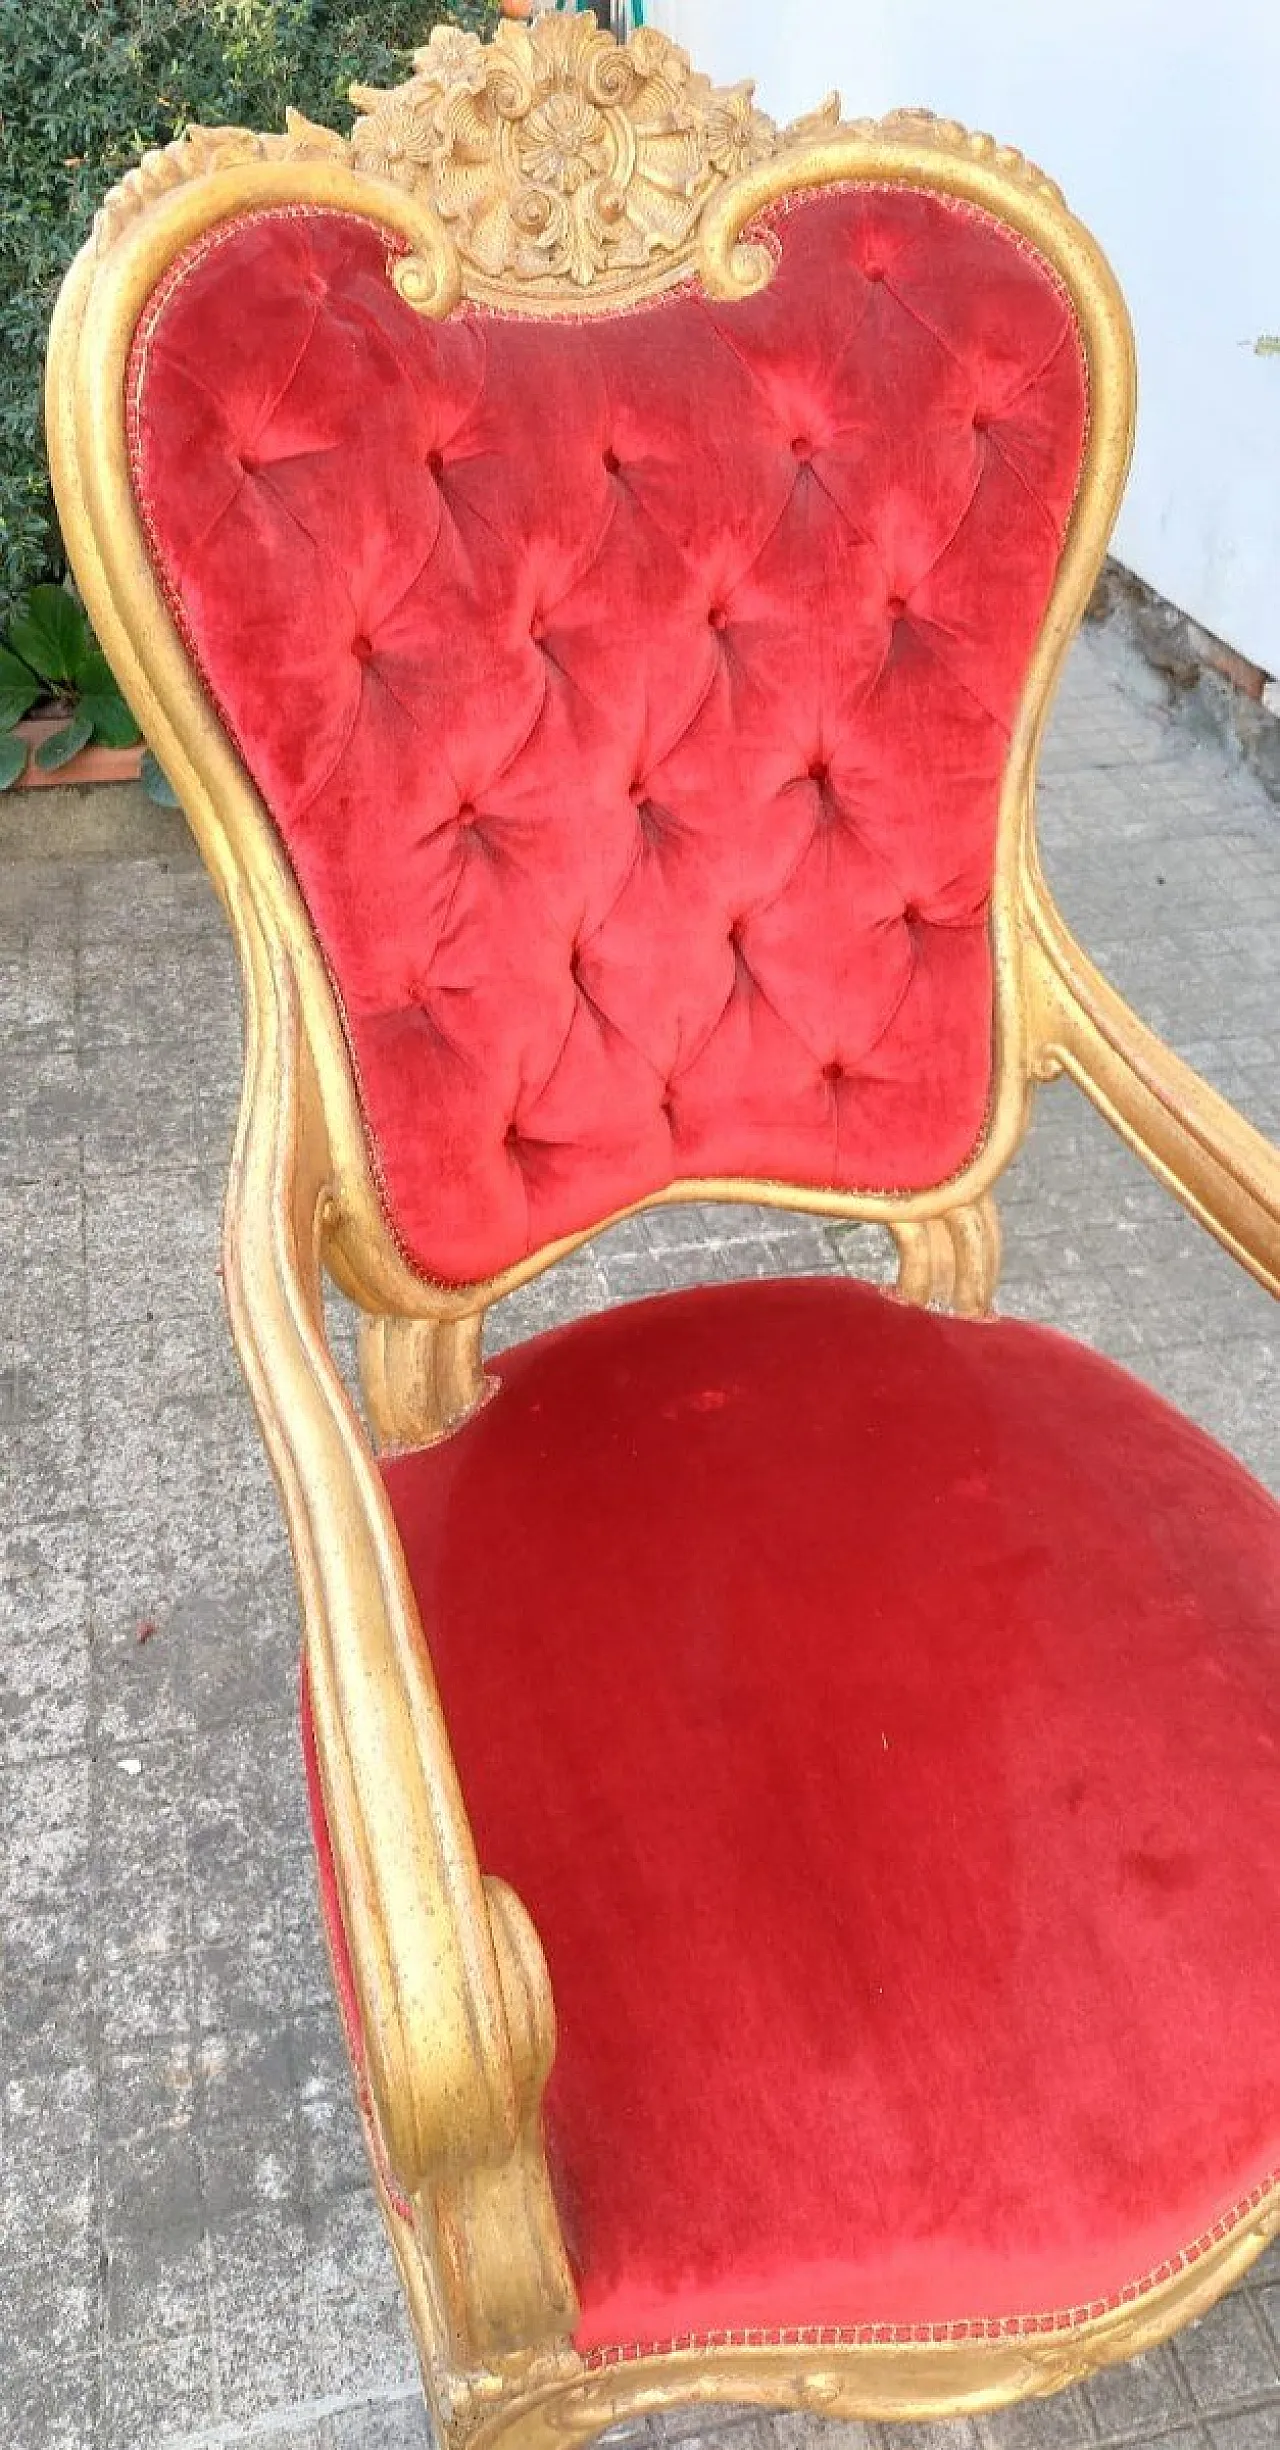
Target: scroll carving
{"type": "Point", "coordinates": [562, 164]}
{"type": "Point", "coordinates": [421, 1377]}
{"type": "Point", "coordinates": [951, 1261]}
{"type": "Point", "coordinates": [197, 154]}
{"type": "Point", "coordinates": [558, 157]}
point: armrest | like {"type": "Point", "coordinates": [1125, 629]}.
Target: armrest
{"type": "Point", "coordinates": [456, 2012]}
{"type": "Point", "coordinates": [1223, 1170]}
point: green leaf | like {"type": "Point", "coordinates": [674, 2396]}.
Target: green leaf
{"type": "Point", "coordinates": [19, 689]}
{"type": "Point", "coordinates": [49, 633]}
{"type": "Point", "coordinates": [61, 747]}
{"type": "Point", "coordinates": [93, 675]}
{"type": "Point", "coordinates": [112, 722]}
{"type": "Point", "coordinates": [156, 783]}
{"type": "Point", "coordinates": [13, 758]}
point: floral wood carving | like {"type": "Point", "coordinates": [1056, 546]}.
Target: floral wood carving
{"type": "Point", "coordinates": [560, 161]}
{"type": "Point", "coordinates": [557, 155]}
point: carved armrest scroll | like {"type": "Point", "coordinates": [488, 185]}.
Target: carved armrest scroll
{"type": "Point", "coordinates": [456, 2012]}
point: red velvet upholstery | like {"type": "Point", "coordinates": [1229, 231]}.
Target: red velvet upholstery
{"type": "Point", "coordinates": [880, 1716]}
{"type": "Point", "coordinates": [632, 694]}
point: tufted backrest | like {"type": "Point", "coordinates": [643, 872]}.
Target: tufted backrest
{"type": "Point", "coordinates": [631, 693]}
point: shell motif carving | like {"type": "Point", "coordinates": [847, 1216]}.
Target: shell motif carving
{"type": "Point", "coordinates": [557, 156]}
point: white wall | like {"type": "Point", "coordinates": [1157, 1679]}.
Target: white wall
{"type": "Point", "coordinates": [1161, 119]}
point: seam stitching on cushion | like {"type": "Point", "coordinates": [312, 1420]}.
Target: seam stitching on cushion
{"type": "Point", "coordinates": [959, 2329]}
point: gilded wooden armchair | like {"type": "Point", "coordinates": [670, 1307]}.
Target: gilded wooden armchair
{"type": "Point", "coordinates": [794, 1773]}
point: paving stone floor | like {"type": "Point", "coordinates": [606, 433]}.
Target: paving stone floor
{"type": "Point", "coordinates": [189, 2254]}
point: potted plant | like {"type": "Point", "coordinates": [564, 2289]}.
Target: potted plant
{"type": "Point", "coordinates": [62, 718]}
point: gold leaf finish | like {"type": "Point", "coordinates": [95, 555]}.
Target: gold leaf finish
{"type": "Point", "coordinates": [951, 1261]}
{"type": "Point", "coordinates": [557, 156]}
{"type": "Point", "coordinates": [198, 154]}
{"type": "Point", "coordinates": [422, 1378]}
{"type": "Point", "coordinates": [555, 172]}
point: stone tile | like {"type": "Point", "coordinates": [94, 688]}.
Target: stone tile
{"type": "Point", "coordinates": [355, 2300]}
{"type": "Point", "coordinates": [1064, 2422]}
{"type": "Point", "coordinates": [52, 2404]}
{"type": "Point", "coordinates": [160, 2390]}
{"type": "Point", "coordinates": [731, 2428]}
{"type": "Point", "coordinates": [332, 2142]}
{"type": "Point", "coordinates": [959, 2433]}
{"type": "Point", "coordinates": [266, 2349]}
{"type": "Point", "coordinates": [801, 2431]}
{"type": "Point", "coordinates": [1182, 2437]}
{"type": "Point", "coordinates": [1227, 2357]}
{"type": "Point", "coordinates": [248, 2128]}
{"type": "Point", "coordinates": [157, 2287]}
{"type": "Point", "coordinates": [1128, 2401]}
{"type": "Point", "coordinates": [1249, 2429]}
{"type": "Point", "coordinates": [393, 2424]}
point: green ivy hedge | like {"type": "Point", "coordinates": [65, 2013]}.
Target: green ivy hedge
{"type": "Point", "coordinates": [85, 87]}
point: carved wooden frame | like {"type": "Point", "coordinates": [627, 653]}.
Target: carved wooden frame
{"type": "Point", "coordinates": [556, 172]}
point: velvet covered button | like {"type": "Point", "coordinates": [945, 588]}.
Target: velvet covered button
{"type": "Point", "coordinates": [819, 771]}
{"type": "Point", "coordinates": [537, 629]}
{"type": "Point", "coordinates": [435, 462]}
{"type": "Point", "coordinates": [981, 420]}
{"type": "Point", "coordinates": [896, 606]}
{"type": "Point", "coordinates": [801, 447]}
{"type": "Point", "coordinates": [612, 462]}
{"type": "Point", "coordinates": [362, 648]}
{"type": "Point", "coordinates": [873, 272]}
{"type": "Point", "coordinates": [717, 617]}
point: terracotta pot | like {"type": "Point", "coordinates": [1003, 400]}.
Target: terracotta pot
{"type": "Point", "coordinates": [92, 765]}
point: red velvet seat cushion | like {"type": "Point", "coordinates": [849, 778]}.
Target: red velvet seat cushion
{"type": "Point", "coordinates": [632, 694]}
{"type": "Point", "coordinates": [880, 1716]}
